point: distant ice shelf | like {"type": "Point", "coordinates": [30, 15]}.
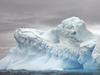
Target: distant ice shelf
{"type": "Point", "coordinates": [68, 46]}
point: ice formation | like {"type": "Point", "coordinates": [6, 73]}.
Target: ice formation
{"type": "Point", "coordinates": [68, 46]}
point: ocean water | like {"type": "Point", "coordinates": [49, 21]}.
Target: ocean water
{"type": "Point", "coordinates": [48, 72]}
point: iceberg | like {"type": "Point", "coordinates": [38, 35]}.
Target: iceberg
{"type": "Point", "coordinates": [68, 46]}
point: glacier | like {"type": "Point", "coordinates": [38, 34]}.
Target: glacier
{"type": "Point", "coordinates": [68, 46]}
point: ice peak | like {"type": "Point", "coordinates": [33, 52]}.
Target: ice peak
{"type": "Point", "coordinates": [73, 21]}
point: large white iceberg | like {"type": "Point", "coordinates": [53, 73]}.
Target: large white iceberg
{"type": "Point", "coordinates": [68, 46]}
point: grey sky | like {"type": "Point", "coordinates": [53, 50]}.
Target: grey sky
{"type": "Point", "coordinates": [38, 13]}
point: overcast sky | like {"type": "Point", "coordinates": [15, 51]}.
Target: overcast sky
{"type": "Point", "coordinates": [44, 13]}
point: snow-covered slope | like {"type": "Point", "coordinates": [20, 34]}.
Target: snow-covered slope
{"type": "Point", "coordinates": [68, 46]}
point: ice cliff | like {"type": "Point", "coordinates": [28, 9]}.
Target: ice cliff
{"type": "Point", "coordinates": [68, 46]}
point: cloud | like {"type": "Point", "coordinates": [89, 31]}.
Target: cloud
{"type": "Point", "coordinates": [60, 9]}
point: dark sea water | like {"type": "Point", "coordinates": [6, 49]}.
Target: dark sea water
{"type": "Point", "coordinates": [25, 72]}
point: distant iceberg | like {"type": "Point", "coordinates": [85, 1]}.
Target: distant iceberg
{"type": "Point", "coordinates": [68, 46]}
